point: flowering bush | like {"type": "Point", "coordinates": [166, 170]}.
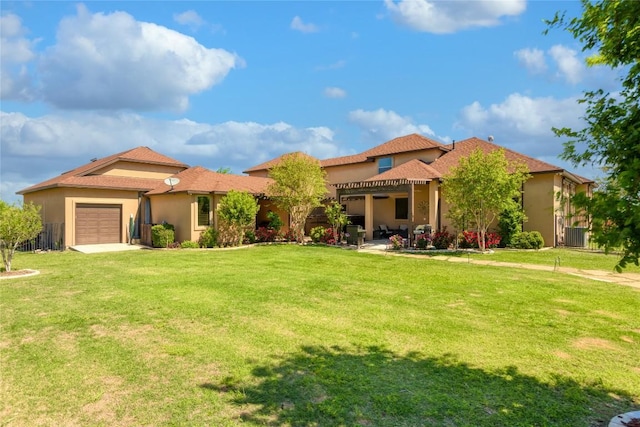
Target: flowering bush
{"type": "Point", "coordinates": [469, 240]}
{"type": "Point", "coordinates": [442, 239]}
{"type": "Point", "coordinates": [289, 236]}
{"type": "Point", "coordinates": [396, 241]}
{"type": "Point", "coordinates": [492, 240]}
{"type": "Point", "coordinates": [265, 234]}
{"type": "Point", "coordinates": [322, 235]}
{"type": "Point", "coordinates": [423, 241]}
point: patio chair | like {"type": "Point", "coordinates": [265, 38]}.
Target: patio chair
{"type": "Point", "coordinates": [404, 230]}
{"type": "Point", "coordinates": [384, 231]}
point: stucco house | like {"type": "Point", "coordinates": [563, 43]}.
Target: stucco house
{"type": "Point", "coordinates": [397, 184]}
{"type": "Point", "coordinates": [95, 202]}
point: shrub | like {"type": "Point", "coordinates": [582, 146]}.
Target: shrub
{"type": "Point", "coordinates": [189, 244]}
{"type": "Point", "coordinates": [396, 242]}
{"type": "Point", "coordinates": [289, 236]}
{"type": "Point", "coordinates": [237, 213]}
{"type": "Point", "coordinates": [162, 235]}
{"type": "Point", "coordinates": [265, 234]}
{"type": "Point", "coordinates": [249, 237]}
{"type": "Point", "coordinates": [469, 240]}
{"type": "Point", "coordinates": [316, 234]}
{"type": "Point", "coordinates": [527, 240]}
{"type": "Point", "coordinates": [322, 235]}
{"type": "Point", "coordinates": [208, 238]}
{"type": "Point", "coordinates": [510, 222]}
{"type": "Point", "coordinates": [423, 241]}
{"type": "Point", "coordinates": [274, 220]}
{"type": "Point", "coordinates": [492, 240]}
{"type": "Point", "coordinates": [443, 239]}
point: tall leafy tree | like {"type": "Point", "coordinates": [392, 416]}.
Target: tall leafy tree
{"type": "Point", "coordinates": [482, 186]}
{"type": "Point", "coordinates": [299, 186]}
{"type": "Point", "coordinates": [237, 211]}
{"type": "Point", "coordinates": [17, 224]}
{"type": "Point", "coordinates": [610, 32]}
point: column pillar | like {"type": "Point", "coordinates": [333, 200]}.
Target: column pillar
{"type": "Point", "coordinates": [434, 200]}
{"type": "Point", "coordinates": [368, 216]}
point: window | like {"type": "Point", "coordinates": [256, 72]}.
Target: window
{"type": "Point", "coordinates": [204, 208]}
{"type": "Point", "coordinates": [384, 164]}
{"type": "Point", "coordinates": [402, 208]}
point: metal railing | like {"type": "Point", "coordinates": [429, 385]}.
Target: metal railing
{"type": "Point", "coordinates": [51, 238]}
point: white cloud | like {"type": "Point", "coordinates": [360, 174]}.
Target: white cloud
{"type": "Point", "coordinates": [298, 25]}
{"type": "Point", "coordinates": [112, 61]}
{"type": "Point", "coordinates": [334, 92]}
{"type": "Point", "coordinates": [569, 66]}
{"type": "Point", "coordinates": [381, 125]}
{"type": "Point", "coordinates": [189, 18]}
{"type": "Point", "coordinates": [16, 51]}
{"type": "Point", "coordinates": [523, 123]}
{"type": "Point", "coordinates": [39, 148]}
{"type": "Point", "coordinates": [441, 17]}
{"type": "Point", "coordinates": [532, 59]}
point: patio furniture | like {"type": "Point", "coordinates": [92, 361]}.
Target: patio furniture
{"type": "Point", "coordinates": [355, 235]}
{"type": "Point", "coordinates": [422, 229]}
{"type": "Point", "coordinates": [384, 231]}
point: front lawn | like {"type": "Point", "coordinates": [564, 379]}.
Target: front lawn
{"type": "Point", "coordinates": [565, 257]}
{"type": "Point", "coordinates": [305, 336]}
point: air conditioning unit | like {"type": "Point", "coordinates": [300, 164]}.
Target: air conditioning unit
{"type": "Point", "coordinates": [575, 237]}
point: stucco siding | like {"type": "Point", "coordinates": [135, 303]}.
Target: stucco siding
{"type": "Point", "coordinates": [51, 204]}
{"type": "Point", "coordinates": [427, 156]}
{"type": "Point", "coordinates": [175, 209]}
{"type": "Point", "coordinates": [139, 170]}
{"type": "Point", "coordinates": [539, 205]}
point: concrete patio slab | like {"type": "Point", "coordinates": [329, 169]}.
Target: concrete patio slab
{"type": "Point", "coordinates": [106, 247]}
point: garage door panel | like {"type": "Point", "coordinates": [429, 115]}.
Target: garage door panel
{"type": "Point", "coordinates": [97, 224]}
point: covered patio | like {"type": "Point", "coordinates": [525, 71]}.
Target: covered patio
{"type": "Point", "coordinates": [401, 203]}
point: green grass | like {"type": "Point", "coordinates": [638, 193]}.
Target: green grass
{"type": "Point", "coordinates": [582, 259]}
{"type": "Point", "coordinates": [306, 336]}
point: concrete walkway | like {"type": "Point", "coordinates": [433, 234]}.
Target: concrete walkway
{"type": "Point", "coordinates": [106, 247]}
{"type": "Point", "coordinates": [627, 279]}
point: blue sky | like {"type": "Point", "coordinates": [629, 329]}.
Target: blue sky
{"type": "Point", "coordinates": [233, 84]}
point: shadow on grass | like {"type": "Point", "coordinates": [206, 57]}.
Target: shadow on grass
{"type": "Point", "coordinates": [323, 386]}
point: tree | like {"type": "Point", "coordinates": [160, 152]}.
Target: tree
{"type": "Point", "coordinates": [17, 224]}
{"type": "Point", "coordinates": [237, 211]}
{"type": "Point", "coordinates": [337, 218]}
{"type": "Point", "coordinates": [610, 32]}
{"type": "Point", "coordinates": [299, 186]}
{"type": "Point", "coordinates": [482, 186]}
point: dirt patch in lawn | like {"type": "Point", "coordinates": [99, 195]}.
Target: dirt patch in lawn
{"type": "Point", "coordinates": [562, 354]}
{"type": "Point", "coordinates": [591, 343]}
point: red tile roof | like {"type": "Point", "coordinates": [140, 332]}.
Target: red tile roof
{"type": "Point", "coordinates": [271, 163]}
{"type": "Point", "coordinates": [201, 180]}
{"type": "Point", "coordinates": [402, 144]}
{"type": "Point", "coordinates": [81, 176]}
{"type": "Point", "coordinates": [344, 160]}
{"type": "Point", "coordinates": [465, 147]}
